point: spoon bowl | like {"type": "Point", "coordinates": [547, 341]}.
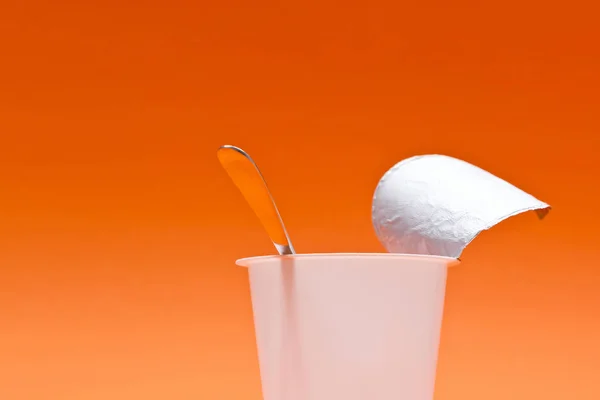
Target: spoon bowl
{"type": "Point", "coordinates": [245, 174]}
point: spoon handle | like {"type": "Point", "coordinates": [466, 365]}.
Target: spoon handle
{"type": "Point", "coordinates": [245, 174]}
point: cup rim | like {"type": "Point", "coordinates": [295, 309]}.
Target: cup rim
{"type": "Point", "coordinates": [450, 261]}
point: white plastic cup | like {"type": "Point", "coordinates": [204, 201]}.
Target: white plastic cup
{"type": "Point", "coordinates": [348, 326]}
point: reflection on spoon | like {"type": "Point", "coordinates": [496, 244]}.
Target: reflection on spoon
{"type": "Point", "coordinates": [248, 179]}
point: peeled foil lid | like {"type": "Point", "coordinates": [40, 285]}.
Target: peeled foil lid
{"type": "Point", "coordinates": [436, 205]}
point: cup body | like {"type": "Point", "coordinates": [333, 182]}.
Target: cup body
{"type": "Point", "coordinates": [347, 326]}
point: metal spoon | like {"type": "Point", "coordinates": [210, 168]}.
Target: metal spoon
{"type": "Point", "coordinates": [248, 179]}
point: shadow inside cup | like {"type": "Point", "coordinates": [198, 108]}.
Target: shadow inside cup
{"type": "Point", "coordinates": [292, 368]}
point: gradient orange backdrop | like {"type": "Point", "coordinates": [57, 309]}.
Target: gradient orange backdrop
{"type": "Point", "coordinates": [119, 230]}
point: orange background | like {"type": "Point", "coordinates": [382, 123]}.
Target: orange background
{"type": "Point", "coordinates": [119, 230]}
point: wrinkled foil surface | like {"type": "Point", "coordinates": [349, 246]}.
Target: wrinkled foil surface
{"type": "Point", "coordinates": [436, 205]}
